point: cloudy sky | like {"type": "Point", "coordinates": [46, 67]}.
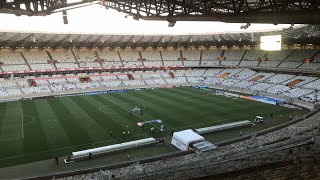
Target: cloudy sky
{"type": "Point", "coordinates": [96, 19]}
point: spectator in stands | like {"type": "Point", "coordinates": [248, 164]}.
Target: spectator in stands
{"type": "Point", "coordinates": [152, 129]}
{"type": "Point", "coordinates": [124, 134]}
{"type": "Point", "coordinates": [110, 133]}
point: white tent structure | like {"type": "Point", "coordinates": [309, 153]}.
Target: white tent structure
{"type": "Point", "coordinates": [183, 139]}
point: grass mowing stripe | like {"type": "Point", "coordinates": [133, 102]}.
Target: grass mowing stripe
{"type": "Point", "coordinates": [195, 105]}
{"type": "Point", "coordinates": [54, 132]}
{"type": "Point", "coordinates": [73, 128]}
{"type": "Point", "coordinates": [3, 107]}
{"type": "Point", "coordinates": [84, 118]}
{"type": "Point", "coordinates": [101, 118]}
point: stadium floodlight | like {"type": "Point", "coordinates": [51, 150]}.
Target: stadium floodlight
{"type": "Point", "coordinates": [270, 43]}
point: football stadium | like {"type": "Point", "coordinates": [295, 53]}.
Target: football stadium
{"type": "Point", "coordinates": [130, 89]}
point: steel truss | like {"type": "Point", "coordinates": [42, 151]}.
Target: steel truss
{"type": "Point", "coordinates": [235, 11]}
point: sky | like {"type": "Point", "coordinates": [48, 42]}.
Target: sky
{"type": "Point", "coordinates": [96, 19]}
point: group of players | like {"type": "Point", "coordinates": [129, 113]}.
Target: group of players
{"type": "Point", "coordinates": [136, 109]}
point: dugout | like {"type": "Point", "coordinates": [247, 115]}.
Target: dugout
{"type": "Point", "coordinates": [184, 139]}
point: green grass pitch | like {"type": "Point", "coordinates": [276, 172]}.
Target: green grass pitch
{"type": "Point", "coordinates": [33, 130]}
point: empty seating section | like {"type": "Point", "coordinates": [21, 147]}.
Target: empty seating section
{"type": "Point", "coordinates": [312, 97]}
{"type": "Point", "coordinates": [85, 56]}
{"type": "Point", "coordinates": [191, 55]}
{"type": "Point", "coordinates": [11, 58]}
{"type": "Point", "coordinates": [195, 72]}
{"type": "Point", "coordinates": [212, 72]}
{"type": "Point", "coordinates": [129, 55]}
{"type": "Point", "coordinates": [66, 65]}
{"type": "Point", "coordinates": [89, 65]}
{"type": "Point", "coordinates": [249, 63]}
{"type": "Point", "coordinates": [230, 63]}
{"type": "Point", "coordinates": [63, 56]}
{"type": "Point", "coordinates": [311, 66]}
{"type": "Point", "coordinates": [210, 55]}
{"type": "Point", "coordinates": [291, 65]}
{"type": "Point", "coordinates": [152, 63]}
{"type": "Point", "coordinates": [111, 64]}
{"type": "Point", "coordinates": [88, 85]}
{"type": "Point", "coordinates": [132, 63]}
{"type": "Point", "coordinates": [198, 80]}
{"type": "Point", "coordinates": [313, 85]}
{"type": "Point", "coordinates": [38, 60]}
{"type": "Point", "coordinates": [170, 55]}
{"type": "Point", "coordinates": [109, 55]}
{"type": "Point", "coordinates": [230, 72]}
{"type": "Point", "coordinates": [63, 87]}
{"type": "Point", "coordinates": [42, 67]}
{"type": "Point", "coordinates": [111, 83]}
{"type": "Point", "coordinates": [233, 55]}
{"type": "Point", "coordinates": [303, 80]}
{"type": "Point", "coordinates": [244, 84]}
{"type": "Point", "coordinates": [134, 83]}
{"type": "Point", "coordinates": [177, 80]}
{"type": "Point", "coordinates": [38, 57]}
{"type": "Point", "coordinates": [278, 55]}
{"type": "Point", "coordinates": [261, 76]}
{"type": "Point", "coordinates": [253, 55]}
{"type": "Point", "coordinates": [230, 82]}
{"type": "Point", "coordinates": [279, 78]}
{"type": "Point", "coordinates": [260, 86]}
{"type": "Point", "coordinates": [211, 80]}
{"type": "Point", "coordinates": [19, 67]}
{"type": "Point", "coordinates": [301, 54]}
{"type": "Point", "coordinates": [191, 63]}
{"type": "Point", "coordinates": [303, 87]}
{"type": "Point", "coordinates": [277, 89]}
{"type": "Point", "coordinates": [151, 55]}
{"type": "Point", "coordinates": [245, 74]}
{"type": "Point", "coordinates": [34, 90]}
{"type": "Point", "coordinates": [172, 63]}
{"type": "Point", "coordinates": [269, 63]}
{"type": "Point", "coordinates": [209, 63]}
{"type": "Point", "coordinates": [297, 92]}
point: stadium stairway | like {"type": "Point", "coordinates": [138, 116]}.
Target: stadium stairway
{"type": "Point", "coordinates": [19, 87]}
{"type": "Point", "coordinates": [49, 87]}
{"type": "Point", "coordinates": [200, 60]}
{"type": "Point", "coordinates": [25, 60]}
{"type": "Point", "coordinates": [50, 57]}
{"type": "Point", "coordinates": [285, 58]}
{"type": "Point", "coordinates": [161, 58]}
{"type": "Point", "coordinates": [140, 56]}
{"type": "Point", "coordinates": [75, 57]}
{"type": "Point", "coordinates": [311, 57]}
{"type": "Point", "coordinates": [97, 55]}
{"type": "Point", "coordinates": [120, 58]}
{"type": "Point", "coordinates": [242, 57]}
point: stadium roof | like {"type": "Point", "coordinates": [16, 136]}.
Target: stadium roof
{"type": "Point", "coordinates": [235, 11]}
{"type": "Point", "coordinates": [303, 35]}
